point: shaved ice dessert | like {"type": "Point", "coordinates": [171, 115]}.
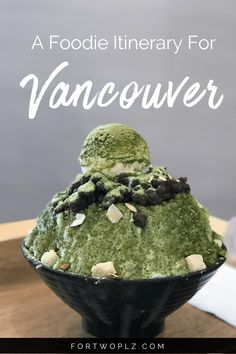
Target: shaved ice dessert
{"type": "Point", "coordinates": [122, 218]}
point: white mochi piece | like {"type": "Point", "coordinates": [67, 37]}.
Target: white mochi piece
{"type": "Point", "coordinates": [104, 269]}
{"type": "Point", "coordinates": [49, 258]}
{"type": "Point", "coordinates": [195, 262]}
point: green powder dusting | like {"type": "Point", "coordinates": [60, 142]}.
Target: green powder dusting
{"type": "Point", "coordinates": [112, 143]}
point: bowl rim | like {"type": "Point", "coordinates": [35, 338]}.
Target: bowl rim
{"type": "Point", "coordinates": [184, 277]}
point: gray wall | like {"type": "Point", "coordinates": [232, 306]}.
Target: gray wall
{"type": "Point", "coordinates": [38, 157]}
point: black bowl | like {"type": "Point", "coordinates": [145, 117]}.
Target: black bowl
{"type": "Point", "coordinates": [123, 308]}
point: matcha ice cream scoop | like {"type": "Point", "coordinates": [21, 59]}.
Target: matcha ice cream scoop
{"type": "Point", "coordinates": [123, 218]}
{"type": "Point", "coordinates": [114, 148]}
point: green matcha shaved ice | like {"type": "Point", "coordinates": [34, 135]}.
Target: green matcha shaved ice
{"type": "Point", "coordinates": [124, 215]}
{"type": "Point", "coordinates": [110, 144]}
{"type": "Point", "coordinates": [175, 230]}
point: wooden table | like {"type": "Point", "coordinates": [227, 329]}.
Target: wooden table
{"type": "Point", "coordinates": [29, 309]}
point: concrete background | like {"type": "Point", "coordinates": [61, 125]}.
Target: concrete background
{"type": "Point", "coordinates": [38, 157]}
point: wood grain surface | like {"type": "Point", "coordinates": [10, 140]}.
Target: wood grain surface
{"type": "Point", "coordinates": [30, 309]}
